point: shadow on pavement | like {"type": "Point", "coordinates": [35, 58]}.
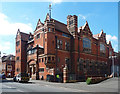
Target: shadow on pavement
{"type": "Point", "coordinates": [9, 81]}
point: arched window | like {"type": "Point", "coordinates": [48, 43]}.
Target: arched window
{"type": "Point", "coordinates": [102, 48]}
{"type": "Point", "coordinates": [86, 43]}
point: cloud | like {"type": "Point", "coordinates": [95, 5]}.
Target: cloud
{"type": "Point", "coordinates": [4, 46]}
{"type": "Point", "coordinates": [56, 1]}
{"type": "Point", "coordinates": [8, 28]}
{"type": "Point", "coordinates": [111, 38]}
{"type": "Point", "coordinates": [82, 16]}
{"type": "Point", "coordinates": [114, 41]}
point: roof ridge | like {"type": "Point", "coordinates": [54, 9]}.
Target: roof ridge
{"type": "Point", "coordinates": [59, 22]}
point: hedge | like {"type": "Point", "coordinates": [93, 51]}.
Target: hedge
{"type": "Point", "coordinates": [94, 80]}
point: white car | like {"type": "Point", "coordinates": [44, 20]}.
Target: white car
{"type": "Point", "coordinates": [22, 77]}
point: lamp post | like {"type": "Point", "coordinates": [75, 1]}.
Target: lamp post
{"type": "Point", "coordinates": [112, 57]}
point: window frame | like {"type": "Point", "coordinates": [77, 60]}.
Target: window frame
{"type": "Point", "coordinates": [102, 48]}
{"type": "Point", "coordinates": [59, 44]}
{"type": "Point", "coordinates": [86, 41]}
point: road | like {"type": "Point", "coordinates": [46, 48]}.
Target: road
{"type": "Point", "coordinates": [111, 85]}
{"type": "Point", "coordinates": [10, 86]}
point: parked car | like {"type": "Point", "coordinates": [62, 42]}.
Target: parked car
{"type": "Point", "coordinates": [50, 78]}
{"type": "Point", "coordinates": [21, 77]}
{"type": "Point", "coordinates": [2, 76]}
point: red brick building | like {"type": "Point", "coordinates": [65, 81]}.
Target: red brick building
{"type": "Point", "coordinates": [55, 44]}
{"type": "Point", "coordinates": [8, 65]}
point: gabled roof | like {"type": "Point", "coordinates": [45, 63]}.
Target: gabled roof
{"type": "Point", "coordinates": [61, 26]}
{"type": "Point", "coordinates": [58, 25]}
{"type": "Point", "coordinates": [47, 17]}
{"type": "Point", "coordinates": [8, 57]}
{"type": "Point", "coordinates": [109, 43]}
{"type": "Point", "coordinates": [96, 36]}
{"type": "Point", "coordinates": [101, 33]}
{"type": "Point", "coordinates": [85, 27]}
{"type": "Point", "coordinates": [39, 23]}
{"type": "Point", "coordinates": [24, 36]}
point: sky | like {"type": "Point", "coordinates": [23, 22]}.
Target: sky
{"type": "Point", "coordinates": [24, 15]}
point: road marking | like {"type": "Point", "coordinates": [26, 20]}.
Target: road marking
{"type": "Point", "coordinates": [19, 90]}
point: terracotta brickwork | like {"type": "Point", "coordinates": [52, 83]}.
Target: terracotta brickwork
{"type": "Point", "coordinates": [54, 45]}
{"type": "Point", "coordinates": [8, 65]}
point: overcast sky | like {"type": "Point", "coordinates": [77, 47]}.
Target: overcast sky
{"type": "Point", "coordinates": [24, 15]}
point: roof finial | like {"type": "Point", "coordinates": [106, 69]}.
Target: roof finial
{"type": "Point", "coordinates": [50, 11]}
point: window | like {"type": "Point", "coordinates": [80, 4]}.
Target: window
{"type": "Point", "coordinates": [42, 60]}
{"type": "Point", "coordinates": [49, 29]}
{"type": "Point", "coordinates": [80, 64]}
{"type": "Point", "coordinates": [67, 62]}
{"type": "Point", "coordinates": [17, 58]}
{"type": "Point", "coordinates": [102, 48]}
{"type": "Point", "coordinates": [59, 44]}
{"type": "Point", "coordinates": [67, 46]}
{"type": "Point", "coordinates": [39, 60]}
{"type": "Point", "coordinates": [17, 43]}
{"type": "Point", "coordinates": [110, 53]}
{"type": "Point", "coordinates": [52, 58]}
{"type": "Point", "coordinates": [31, 51]}
{"type": "Point", "coordinates": [45, 59]}
{"type": "Point", "coordinates": [65, 35]}
{"type": "Point", "coordinates": [17, 69]}
{"type": "Point", "coordinates": [38, 36]}
{"type": "Point", "coordinates": [52, 29]}
{"type": "Point", "coordinates": [86, 43]}
{"type": "Point", "coordinates": [17, 51]}
{"type": "Point", "coordinates": [49, 58]}
{"type": "Point", "coordinates": [41, 70]}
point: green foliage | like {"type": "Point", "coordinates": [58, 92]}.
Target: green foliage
{"type": "Point", "coordinates": [88, 81]}
{"type": "Point", "coordinates": [95, 80]}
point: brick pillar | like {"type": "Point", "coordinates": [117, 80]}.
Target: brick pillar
{"type": "Point", "coordinates": [65, 74]}
{"type": "Point", "coordinates": [52, 71]}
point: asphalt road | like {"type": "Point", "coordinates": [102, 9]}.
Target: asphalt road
{"type": "Point", "coordinates": [9, 86]}
{"type": "Point", "coordinates": [110, 85]}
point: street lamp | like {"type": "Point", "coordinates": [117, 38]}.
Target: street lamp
{"type": "Point", "coordinates": [112, 57]}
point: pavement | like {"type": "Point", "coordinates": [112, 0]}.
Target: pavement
{"type": "Point", "coordinates": [110, 85]}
